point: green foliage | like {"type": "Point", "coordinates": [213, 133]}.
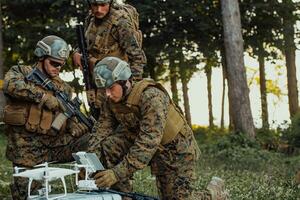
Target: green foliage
{"type": "Point", "coordinates": [5, 166]}
{"type": "Point", "coordinates": [249, 172]}
{"type": "Point", "coordinates": [206, 135]}
{"type": "Point", "coordinates": [292, 133]}
{"type": "Point", "coordinates": [268, 138]}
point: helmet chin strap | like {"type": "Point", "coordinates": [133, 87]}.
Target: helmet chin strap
{"type": "Point", "coordinates": [126, 88]}
{"type": "Point", "coordinates": [43, 66]}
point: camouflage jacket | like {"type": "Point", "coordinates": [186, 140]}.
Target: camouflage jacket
{"type": "Point", "coordinates": [146, 131]}
{"type": "Point", "coordinates": [25, 147]}
{"type": "Point", "coordinates": [115, 36]}
{"type": "Point", "coordinates": [16, 87]}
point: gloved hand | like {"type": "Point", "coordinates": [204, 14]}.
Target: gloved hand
{"type": "Point", "coordinates": [51, 103]}
{"type": "Point", "coordinates": [77, 129]}
{"type": "Point", "coordinates": [105, 179]}
{"type": "Point", "coordinates": [77, 60]}
{"type": "Point", "coordinates": [81, 174]}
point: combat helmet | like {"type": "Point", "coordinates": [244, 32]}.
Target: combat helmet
{"type": "Point", "coordinates": [52, 46]}
{"type": "Point", "coordinates": [110, 70]}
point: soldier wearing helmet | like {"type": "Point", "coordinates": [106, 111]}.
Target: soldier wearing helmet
{"type": "Point", "coordinates": [30, 111]}
{"type": "Point", "coordinates": [112, 30]}
{"type": "Point", "coordinates": [144, 127]}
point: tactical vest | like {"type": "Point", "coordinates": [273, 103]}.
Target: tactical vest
{"type": "Point", "coordinates": [28, 114]}
{"type": "Point", "coordinates": [100, 41]}
{"type": "Point", "coordinates": [175, 120]}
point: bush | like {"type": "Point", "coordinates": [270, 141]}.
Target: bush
{"type": "Point", "coordinates": [206, 135]}
{"type": "Point", "coordinates": [292, 133]}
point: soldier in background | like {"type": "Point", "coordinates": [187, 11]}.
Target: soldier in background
{"type": "Point", "coordinates": [112, 30]}
{"type": "Point", "coordinates": [142, 126]}
{"type": "Point", "coordinates": [30, 111]}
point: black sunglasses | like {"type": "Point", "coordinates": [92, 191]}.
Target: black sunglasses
{"type": "Point", "coordinates": [56, 64]}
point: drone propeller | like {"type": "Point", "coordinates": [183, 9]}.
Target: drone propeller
{"type": "Point", "coordinates": [67, 164]}
{"type": "Point", "coordinates": [45, 164]}
{"type": "Point", "coordinates": [17, 169]}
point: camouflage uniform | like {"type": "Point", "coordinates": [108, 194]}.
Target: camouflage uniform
{"type": "Point", "coordinates": [114, 35]}
{"type": "Point", "coordinates": [127, 142]}
{"type": "Point", "coordinates": [28, 148]}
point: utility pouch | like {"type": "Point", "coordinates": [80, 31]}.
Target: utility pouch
{"type": "Point", "coordinates": [173, 126]}
{"type": "Point", "coordinates": [34, 118]}
{"type": "Point", "coordinates": [15, 115]}
{"type": "Point", "coordinates": [46, 121]}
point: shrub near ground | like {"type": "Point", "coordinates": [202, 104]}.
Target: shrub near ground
{"type": "Point", "coordinates": [5, 167]}
{"type": "Point", "coordinates": [250, 172]}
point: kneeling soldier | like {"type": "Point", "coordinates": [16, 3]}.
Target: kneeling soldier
{"type": "Point", "coordinates": [143, 126]}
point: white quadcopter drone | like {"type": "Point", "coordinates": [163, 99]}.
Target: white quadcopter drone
{"type": "Point", "coordinates": [46, 174]}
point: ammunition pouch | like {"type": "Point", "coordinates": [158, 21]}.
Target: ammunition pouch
{"type": "Point", "coordinates": [33, 119]}
{"type": "Point", "coordinates": [174, 125]}
{"type": "Point", "coordinates": [15, 115]}
{"type": "Point", "coordinates": [39, 120]}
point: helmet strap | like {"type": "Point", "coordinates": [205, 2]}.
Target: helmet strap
{"type": "Point", "coordinates": [126, 87]}
{"type": "Point", "coordinates": [42, 59]}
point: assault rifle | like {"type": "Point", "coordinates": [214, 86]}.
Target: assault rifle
{"type": "Point", "coordinates": [85, 65]}
{"type": "Point", "coordinates": [72, 107]}
{"type": "Point", "coordinates": [132, 195]}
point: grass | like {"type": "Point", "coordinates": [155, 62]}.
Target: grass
{"type": "Point", "coordinates": [250, 173]}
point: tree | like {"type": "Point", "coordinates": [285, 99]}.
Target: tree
{"type": "Point", "coordinates": [237, 81]}
{"type": "Point", "coordinates": [287, 11]}
{"type": "Point", "coordinates": [261, 25]}
{"type": "Point", "coordinates": [2, 99]}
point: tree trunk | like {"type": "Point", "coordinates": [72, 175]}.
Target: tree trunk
{"type": "Point", "coordinates": [237, 81]}
{"type": "Point", "coordinates": [291, 67]}
{"type": "Point", "coordinates": [150, 70]}
{"type": "Point", "coordinates": [208, 72]}
{"type": "Point", "coordinates": [185, 91]}
{"type": "Point", "coordinates": [2, 99]}
{"type": "Point", "coordinates": [263, 92]}
{"type": "Point", "coordinates": [223, 60]}
{"type": "Point", "coordinates": [173, 80]}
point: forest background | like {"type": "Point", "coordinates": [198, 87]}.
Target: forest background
{"type": "Point", "coordinates": [184, 40]}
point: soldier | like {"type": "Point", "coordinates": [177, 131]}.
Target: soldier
{"type": "Point", "coordinates": [142, 126]}
{"type": "Point", "coordinates": [112, 30]}
{"type": "Point", "coordinates": [30, 111]}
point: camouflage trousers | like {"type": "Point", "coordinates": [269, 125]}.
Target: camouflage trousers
{"type": "Point", "coordinates": [173, 164]}
{"type": "Point", "coordinates": [39, 154]}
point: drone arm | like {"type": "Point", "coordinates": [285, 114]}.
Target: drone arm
{"type": "Point", "coordinates": [29, 188]}
{"type": "Point", "coordinates": [64, 184]}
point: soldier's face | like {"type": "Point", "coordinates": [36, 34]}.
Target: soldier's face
{"type": "Point", "coordinates": [114, 93]}
{"type": "Point", "coordinates": [53, 67]}
{"type": "Point", "coordinates": [100, 10]}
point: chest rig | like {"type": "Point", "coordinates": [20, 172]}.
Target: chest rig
{"type": "Point", "coordinates": [31, 115]}
{"type": "Point", "coordinates": [100, 40]}
{"type": "Point", "coordinates": [128, 114]}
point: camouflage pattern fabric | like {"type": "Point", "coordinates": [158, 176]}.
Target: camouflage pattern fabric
{"type": "Point", "coordinates": [40, 153]}
{"type": "Point", "coordinates": [27, 149]}
{"type": "Point", "coordinates": [15, 85]}
{"type": "Point", "coordinates": [114, 36]}
{"type": "Point", "coordinates": [127, 143]}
